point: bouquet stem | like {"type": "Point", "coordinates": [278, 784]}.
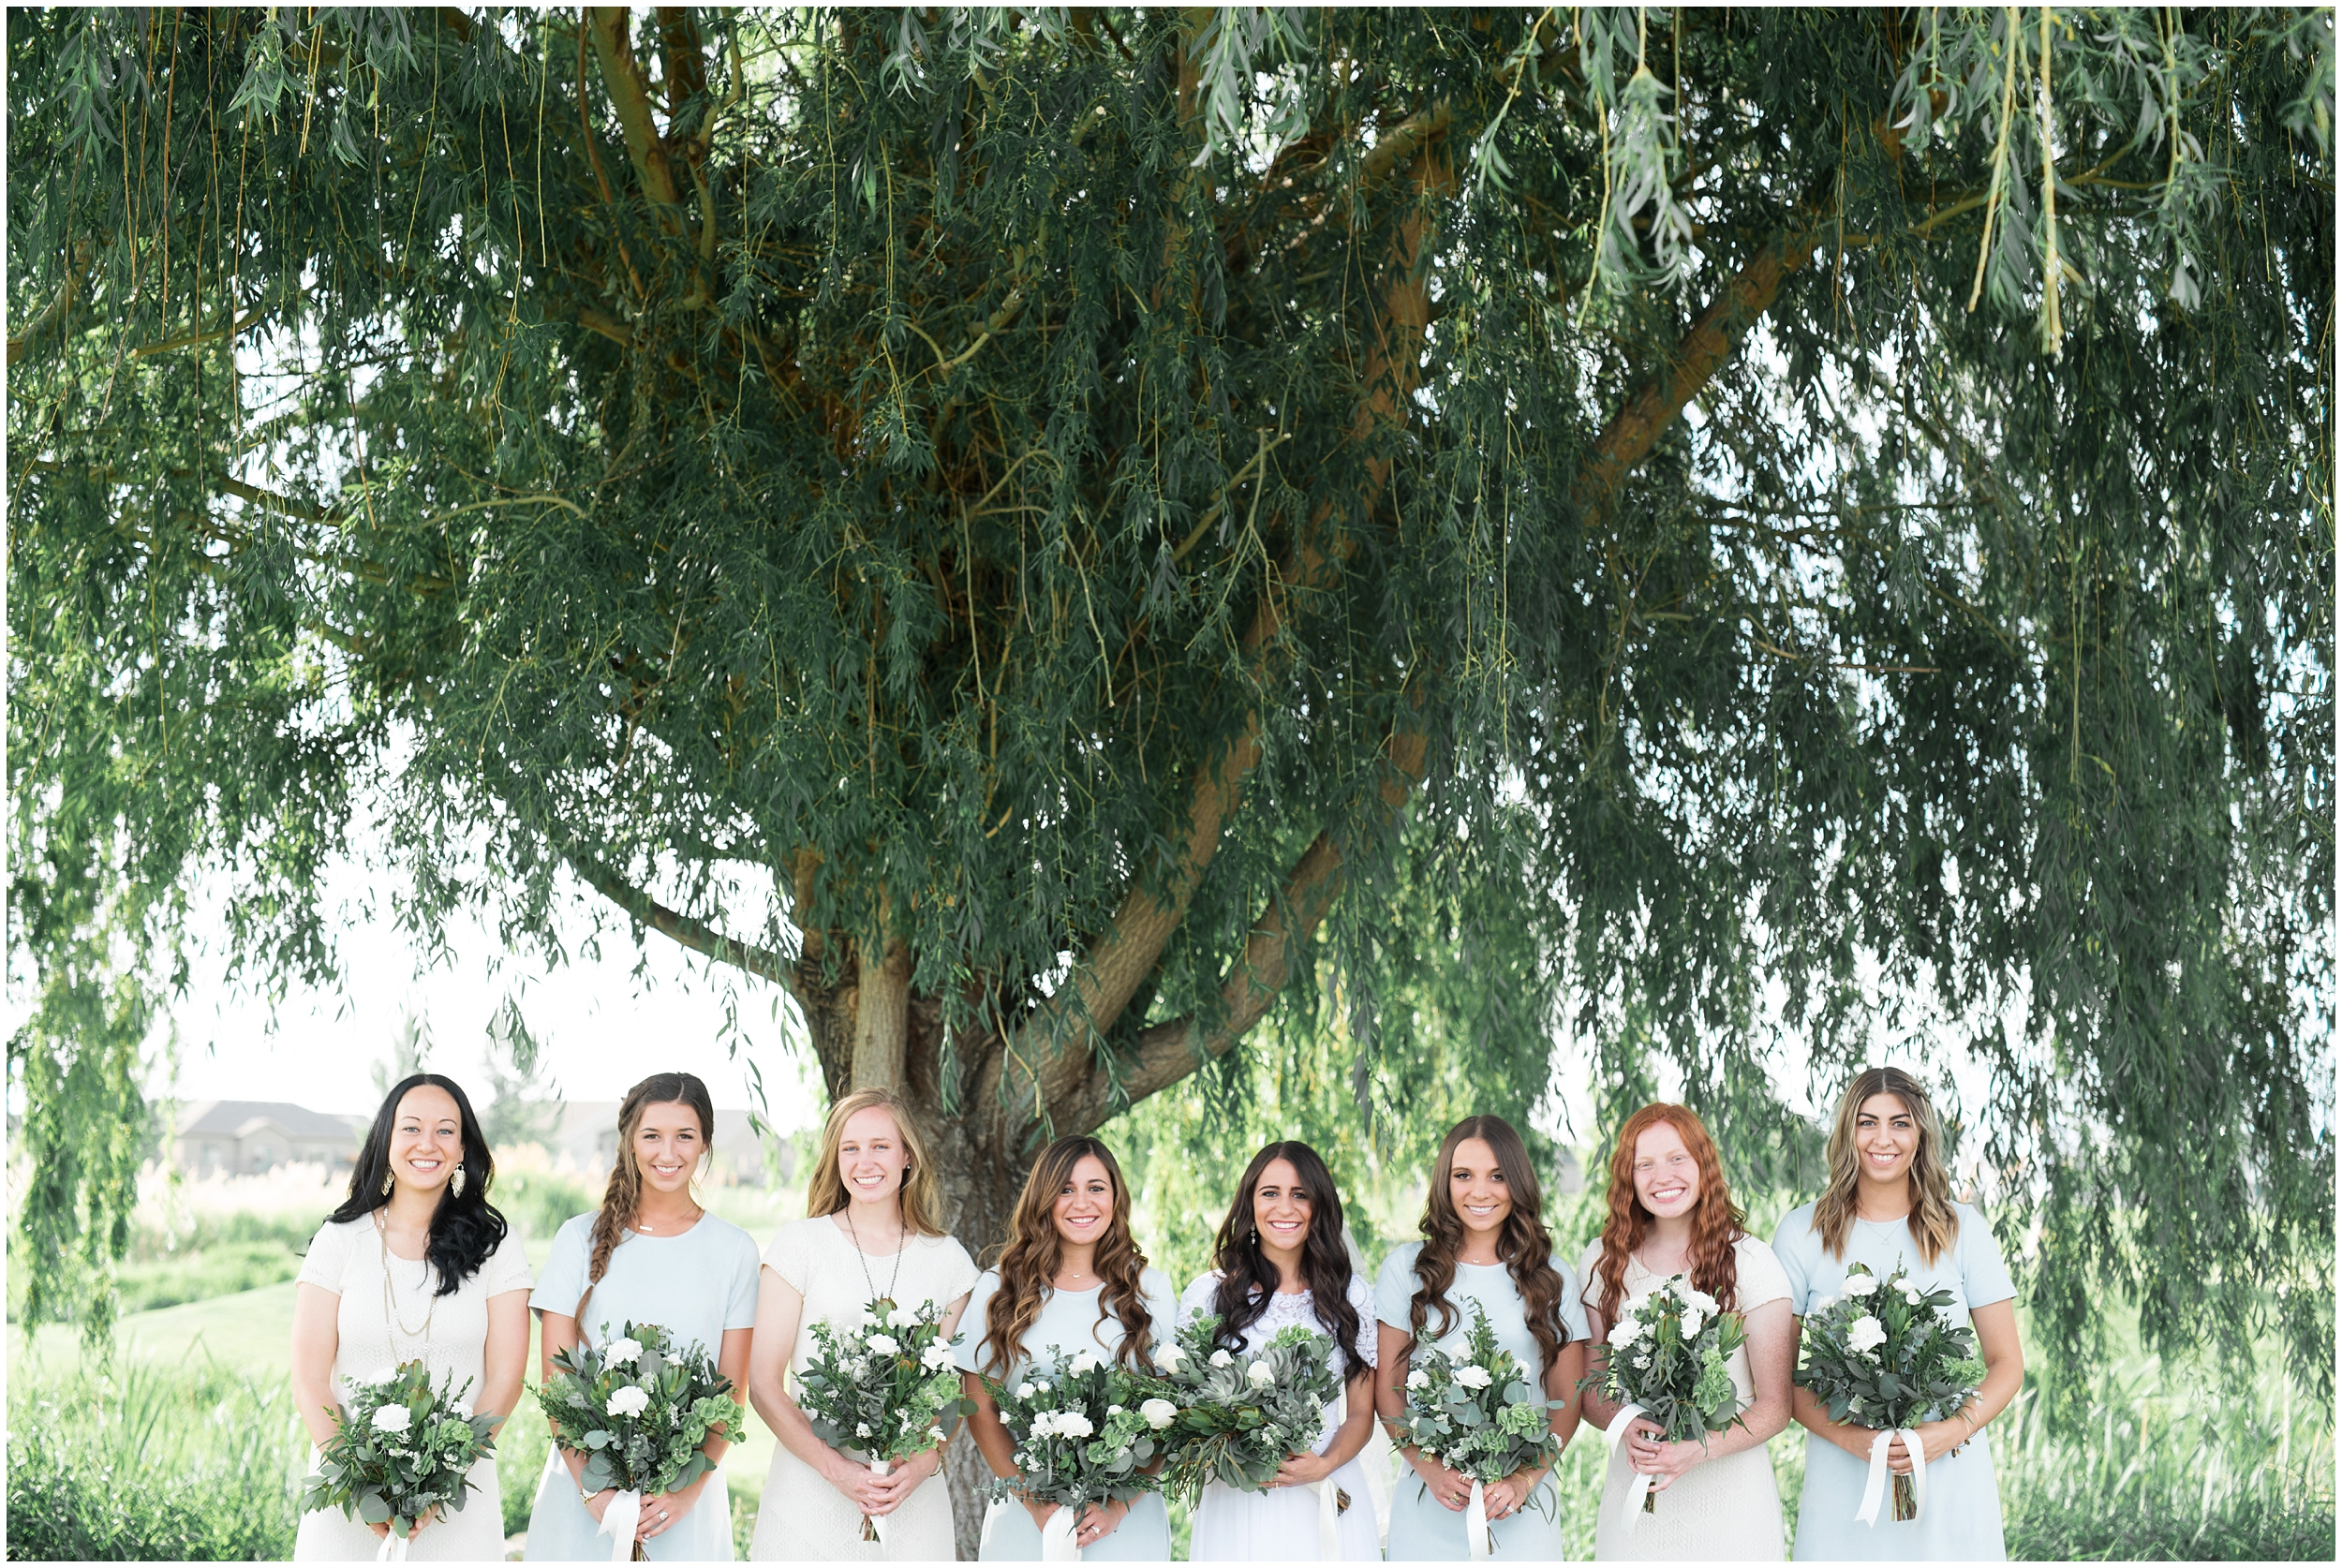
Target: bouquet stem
{"type": "Point", "coordinates": [1651, 1503]}
{"type": "Point", "coordinates": [1907, 1502]}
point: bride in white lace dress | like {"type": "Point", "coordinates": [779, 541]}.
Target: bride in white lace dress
{"type": "Point", "coordinates": [1280, 1260]}
{"type": "Point", "coordinates": [1670, 1213]}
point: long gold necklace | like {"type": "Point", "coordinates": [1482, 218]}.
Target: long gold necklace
{"type": "Point", "coordinates": [390, 1301]}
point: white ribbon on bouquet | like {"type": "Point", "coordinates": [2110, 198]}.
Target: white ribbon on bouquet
{"type": "Point", "coordinates": [1328, 1520]}
{"type": "Point", "coordinates": [1476, 1523]}
{"type": "Point", "coordinates": [1874, 1490]}
{"type": "Point", "coordinates": [392, 1549]}
{"type": "Point", "coordinates": [620, 1522]}
{"type": "Point", "coordinates": [1056, 1537]}
{"type": "Point", "coordinates": [1641, 1483]}
{"type": "Point", "coordinates": [878, 1521]}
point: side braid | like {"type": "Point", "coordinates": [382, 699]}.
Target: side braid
{"type": "Point", "coordinates": [619, 1204]}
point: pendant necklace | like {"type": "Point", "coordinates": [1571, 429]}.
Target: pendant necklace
{"type": "Point", "coordinates": [902, 1245]}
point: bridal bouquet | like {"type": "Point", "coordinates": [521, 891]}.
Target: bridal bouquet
{"type": "Point", "coordinates": [1669, 1364]}
{"type": "Point", "coordinates": [879, 1389]}
{"type": "Point", "coordinates": [637, 1408]}
{"type": "Point", "coordinates": [1886, 1353]}
{"type": "Point", "coordinates": [402, 1449]}
{"type": "Point", "coordinates": [1243, 1414]}
{"type": "Point", "coordinates": [1480, 1414]}
{"type": "Point", "coordinates": [1084, 1430]}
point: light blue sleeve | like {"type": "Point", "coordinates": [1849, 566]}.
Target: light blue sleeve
{"type": "Point", "coordinates": [1573, 1323]}
{"type": "Point", "coordinates": [1798, 1251]}
{"type": "Point", "coordinates": [1163, 1307]}
{"type": "Point", "coordinates": [563, 1281]}
{"type": "Point", "coordinates": [740, 1306]}
{"type": "Point", "coordinates": [1983, 1276]}
{"type": "Point", "coordinates": [1395, 1286]}
{"type": "Point", "coordinates": [966, 1347]}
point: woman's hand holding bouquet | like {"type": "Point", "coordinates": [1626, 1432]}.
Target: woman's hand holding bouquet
{"type": "Point", "coordinates": [1669, 1367]}
{"type": "Point", "coordinates": [879, 1391]}
{"type": "Point", "coordinates": [401, 1455]}
{"type": "Point", "coordinates": [1479, 1416]}
{"type": "Point", "coordinates": [1891, 1358]}
{"type": "Point", "coordinates": [1252, 1419]}
{"type": "Point", "coordinates": [639, 1409]}
{"type": "Point", "coordinates": [1083, 1430]}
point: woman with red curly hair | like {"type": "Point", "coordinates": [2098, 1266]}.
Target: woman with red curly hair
{"type": "Point", "coordinates": [1672, 1214]}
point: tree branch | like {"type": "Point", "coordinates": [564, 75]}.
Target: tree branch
{"type": "Point", "coordinates": [630, 95]}
{"type": "Point", "coordinates": [700, 937]}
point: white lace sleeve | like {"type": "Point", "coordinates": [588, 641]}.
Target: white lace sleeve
{"type": "Point", "coordinates": [1370, 1335]}
{"type": "Point", "coordinates": [1195, 1301]}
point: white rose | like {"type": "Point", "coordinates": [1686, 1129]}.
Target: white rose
{"type": "Point", "coordinates": [1473, 1377]}
{"type": "Point", "coordinates": [1024, 1390]}
{"type": "Point", "coordinates": [1860, 1284]}
{"type": "Point", "coordinates": [1260, 1374]}
{"type": "Point", "coordinates": [621, 1353]}
{"type": "Point", "coordinates": [1912, 1295]}
{"type": "Point", "coordinates": [629, 1401]}
{"type": "Point", "coordinates": [1043, 1385]}
{"type": "Point", "coordinates": [936, 1356]}
{"type": "Point", "coordinates": [1169, 1357]}
{"type": "Point", "coordinates": [1159, 1412]}
{"type": "Point", "coordinates": [1083, 1362]}
{"type": "Point", "coordinates": [393, 1418]}
{"type": "Point", "coordinates": [1221, 1358]}
{"type": "Point", "coordinates": [1625, 1332]}
{"type": "Point", "coordinates": [1418, 1379]}
{"type": "Point", "coordinates": [902, 1318]}
{"type": "Point", "coordinates": [1867, 1334]}
{"type": "Point", "coordinates": [1073, 1424]}
{"type": "Point", "coordinates": [1114, 1410]}
{"type": "Point", "coordinates": [885, 1344]}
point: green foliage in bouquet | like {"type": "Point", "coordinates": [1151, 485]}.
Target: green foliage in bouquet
{"type": "Point", "coordinates": [1243, 1414]}
{"type": "Point", "coordinates": [1671, 1353]}
{"type": "Point", "coordinates": [882, 1388]}
{"type": "Point", "coordinates": [638, 1408]}
{"type": "Point", "coordinates": [1481, 1413]}
{"type": "Point", "coordinates": [1889, 1354]}
{"type": "Point", "coordinates": [1084, 1430]}
{"type": "Point", "coordinates": [402, 1449]}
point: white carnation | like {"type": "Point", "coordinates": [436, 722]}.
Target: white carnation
{"type": "Point", "coordinates": [1692, 1322]}
{"type": "Point", "coordinates": [1159, 1412]}
{"type": "Point", "coordinates": [1703, 1301]}
{"type": "Point", "coordinates": [393, 1418]}
{"type": "Point", "coordinates": [621, 1353]}
{"type": "Point", "coordinates": [1867, 1334]}
{"type": "Point", "coordinates": [1260, 1374]}
{"type": "Point", "coordinates": [1418, 1379]}
{"type": "Point", "coordinates": [936, 1356]}
{"type": "Point", "coordinates": [1073, 1424]}
{"type": "Point", "coordinates": [902, 1317]}
{"type": "Point", "coordinates": [1024, 1390]}
{"type": "Point", "coordinates": [1473, 1377]}
{"type": "Point", "coordinates": [1860, 1284]}
{"type": "Point", "coordinates": [377, 1379]}
{"type": "Point", "coordinates": [885, 1344]}
{"type": "Point", "coordinates": [629, 1401]}
{"type": "Point", "coordinates": [1627, 1330]}
{"type": "Point", "coordinates": [1083, 1362]}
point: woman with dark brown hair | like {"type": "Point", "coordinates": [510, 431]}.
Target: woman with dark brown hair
{"type": "Point", "coordinates": [1070, 1279]}
{"type": "Point", "coordinates": [1671, 1214]}
{"type": "Point", "coordinates": [649, 1254]}
{"type": "Point", "coordinates": [1484, 1243]}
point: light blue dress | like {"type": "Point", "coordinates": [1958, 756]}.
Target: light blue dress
{"type": "Point", "coordinates": [1069, 1321]}
{"type": "Point", "coordinates": [694, 1285]}
{"type": "Point", "coordinates": [1962, 1516]}
{"type": "Point", "coordinates": [1421, 1529]}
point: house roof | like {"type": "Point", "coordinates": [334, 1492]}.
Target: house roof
{"type": "Point", "coordinates": [241, 1118]}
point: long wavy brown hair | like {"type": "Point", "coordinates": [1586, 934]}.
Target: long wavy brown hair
{"type": "Point", "coordinates": [922, 1194]}
{"type": "Point", "coordinates": [1717, 1222]}
{"type": "Point", "coordinates": [1935, 1223]}
{"type": "Point", "coordinates": [1249, 1281]}
{"type": "Point", "coordinates": [624, 1195]}
{"type": "Point", "coordinates": [1524, 1244]}
{"type": "Point", "coordinates": [1029, 1261]}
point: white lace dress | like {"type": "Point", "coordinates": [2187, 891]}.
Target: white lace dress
{"type": "Point", "coordinates": [1281, 1525]}
{"type": "Point", "coordinates": [1725, 1510]}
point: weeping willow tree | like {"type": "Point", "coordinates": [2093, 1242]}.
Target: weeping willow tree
{"type": "Point", "coordinates": [1073, 543]}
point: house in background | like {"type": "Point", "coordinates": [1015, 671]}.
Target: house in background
{"type": "Point", "coordinates": [585, 1134]}
{"type": "Point", "coordinates": [240, 1137]}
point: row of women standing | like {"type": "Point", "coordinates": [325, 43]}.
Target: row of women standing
{"type": "Point", "coordinates": [416, 1264]}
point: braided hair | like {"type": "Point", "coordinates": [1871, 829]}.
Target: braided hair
{"type": "Point", "coordinates": [623, 1198]}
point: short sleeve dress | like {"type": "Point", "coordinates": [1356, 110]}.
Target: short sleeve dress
{"type": "Point", "coordinates": [1281, 1524]}
{"type": "Point", "coordinates": [1962, 1519]}
{"type": "Point", "coordinates": [1727, 1510]}
{"type": "Point", "coordinates": [802, 1517]}
{"type": "Point", "coordinates": [350, 1261]}
{"type": "Point", "coordinates": [696, 1284]}
{"type": "Point", "coordinates": [1069, 1321]}
{"type": "Point", "coordinates": [1421, 1529]}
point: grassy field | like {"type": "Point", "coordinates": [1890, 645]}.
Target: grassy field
{"type": "Point", "coordinates": [187, 1447]}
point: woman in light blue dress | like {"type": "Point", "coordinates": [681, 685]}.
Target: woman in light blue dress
{"type": "Point", "coordinates": [650, 1254]}
{"type": "Point", "coordinates": [1485, 1241]}
{"type": "Point", "coordinates": [1070, 1279]}
{"type": "Point", "coordinates": [1889, 1206]}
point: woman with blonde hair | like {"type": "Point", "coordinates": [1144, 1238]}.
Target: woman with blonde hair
{"type": "Point", "coordinates": [1671, 1213]}
{"type": "Point", "coordinates": [649, 1254]}
{"type": "Point", "coordinates": [1484, 1244]}
{"type": "Point", "coordinates": [1889, 1206]}
{"type": "Point", "coordinates": [1071, 1277]}
{"type": "Point", "coordinates": [873, 1232]}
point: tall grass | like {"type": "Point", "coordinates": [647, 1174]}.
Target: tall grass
{"type": "Point", "coordinates": [147, 1463]}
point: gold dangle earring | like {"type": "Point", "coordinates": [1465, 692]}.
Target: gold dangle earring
{"type": "Point", "coordinates": [388, 1181]}
{"type": "Point", "coordinates": [456, 1182]}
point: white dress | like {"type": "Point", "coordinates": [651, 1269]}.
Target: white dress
{"type": "Point", "coordinates": [1725, 1510]}
{"type": "Point", "coordinates": [347, 1259]}
{"type": "Point", "coordinates": [1282, 1524]}
{"type": "Point", "coordinates": [802, 1518]}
